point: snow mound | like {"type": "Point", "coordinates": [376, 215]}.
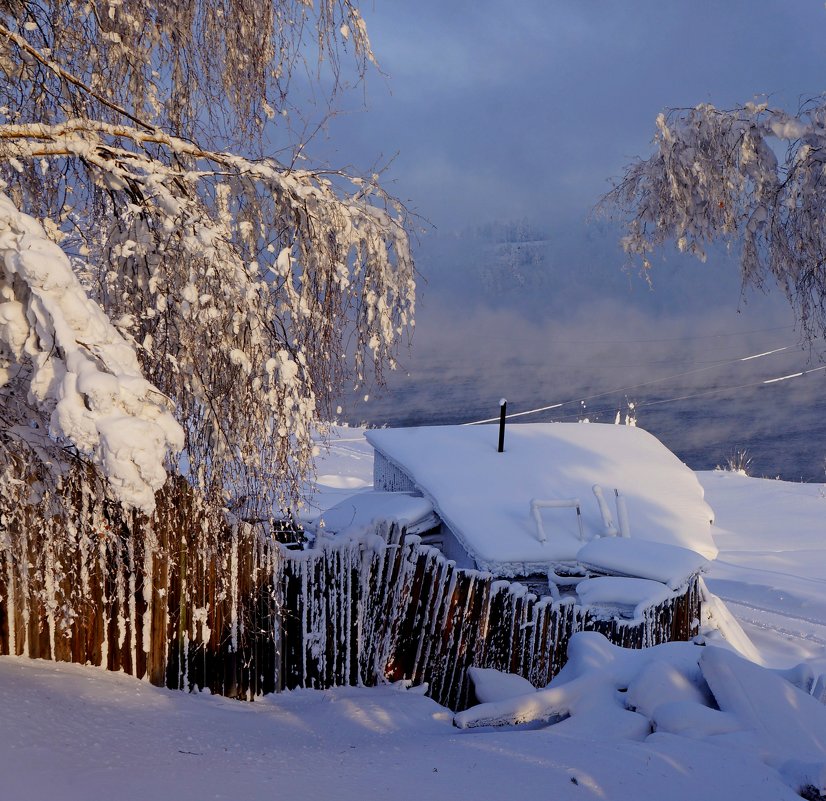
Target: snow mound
{"type": "Point", "coordinates": [493, 685]}
{"type": "Point", "coordinates": [789, 725]}
{"type": "Point", "coordinates": [701, 693]}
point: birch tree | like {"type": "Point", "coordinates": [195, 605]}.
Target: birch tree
{"type": "Point", "coordinates": [752, 177]}
{"type": "Point", "coordinates": [247, 289]}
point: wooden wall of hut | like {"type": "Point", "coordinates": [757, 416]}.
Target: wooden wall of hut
{"type": "Point", "coordinates": [188, 602]}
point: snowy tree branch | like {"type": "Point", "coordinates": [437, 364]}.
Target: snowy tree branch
{"type": "Point", "coordinates": [81, 372]}
{"type": "Point", "coordinates": [716, 175]}
{"type": "Point", "coordinates": [67, 76]}
{"type": "Point", "coordinates": [249, 290]}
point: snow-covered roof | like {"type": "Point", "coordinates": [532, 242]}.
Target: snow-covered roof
{"type": "Point", "coordinates": [485, 497]}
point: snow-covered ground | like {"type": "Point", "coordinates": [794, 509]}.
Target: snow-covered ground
{"type": "Point", "coordinates": [771, 566]}
{"type": "Point", "coordinates": [69, 732]}
{"type": "Point", "coordinates": [75, 732]}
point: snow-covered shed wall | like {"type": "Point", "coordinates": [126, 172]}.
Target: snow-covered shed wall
{"type": "Point", "coordinates": [389, 477]}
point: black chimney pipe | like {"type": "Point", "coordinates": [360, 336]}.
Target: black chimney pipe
{"type": "Point", "coordinates": [503, 409]}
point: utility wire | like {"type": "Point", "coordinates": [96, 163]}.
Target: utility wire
{"type": "Point", "coordinates": [706, 393]}
{"type": "Point", "coordinates": [634, 386]}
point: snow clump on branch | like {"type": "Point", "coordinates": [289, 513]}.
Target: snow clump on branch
{"type": "Point", "coordinates": [82, 374]}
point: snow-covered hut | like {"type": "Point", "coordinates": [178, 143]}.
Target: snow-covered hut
{"type": "Point", "coordinates": [610, 497]}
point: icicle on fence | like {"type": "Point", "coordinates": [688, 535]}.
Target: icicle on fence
{"type": "Point", "coordinates": [189, 602]}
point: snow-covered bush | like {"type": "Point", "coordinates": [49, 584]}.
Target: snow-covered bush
{"type": "Point", "coordinates": [739, 462]}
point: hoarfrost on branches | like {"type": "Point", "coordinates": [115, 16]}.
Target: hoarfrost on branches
{"type": "Point", "coordinates": [715, 174]}
{"type": "Point", "coordinates": [248, 288]}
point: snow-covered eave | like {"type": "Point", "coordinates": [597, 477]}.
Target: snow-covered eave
{"type": "Point", "coordinates": [517, 569]}
{"type": "Point", "coordinates": [521, 570]}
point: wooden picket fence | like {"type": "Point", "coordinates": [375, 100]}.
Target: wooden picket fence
{"type": "Point", "coordinates": [386, 607]}
{"type": "Point", "coordinates": [182, 599]}
{"type": "Point", "coordinates": [189, 602]}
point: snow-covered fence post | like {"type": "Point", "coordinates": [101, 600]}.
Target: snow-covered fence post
{"type": "Point", "coordinates": [539, 668]}
{"type": "Point", "coordinates": [413, 620]}
{"type": "Point", "coordinates": [470, 635]}
{"type": "Point", "coordinates": [444, 632]}
{"type": "Point", "coordinates": [403, 607]}
{"type": "Point", "coordinates": [292, 647]}
{"type": "Point", "coordinates": [381, 604]}
{"type": "Point", "coordinates": [428, 651]}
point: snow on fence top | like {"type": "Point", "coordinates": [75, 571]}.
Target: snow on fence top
{"type": "Point", "coordinates": [485, 497]}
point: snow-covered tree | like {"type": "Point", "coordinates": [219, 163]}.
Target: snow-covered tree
{"type": "Point", "coordinates": [753, 177]}
{"type": "Point", "coordinates": [239, 291]}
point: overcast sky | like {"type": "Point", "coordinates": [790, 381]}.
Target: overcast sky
{"type": "Point", "coordinates": [529, 107]}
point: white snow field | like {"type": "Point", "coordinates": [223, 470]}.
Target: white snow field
{"type": "Point", "coordinates": [771, 568]}
{"type": "Point", "coordinates": [74, 732]}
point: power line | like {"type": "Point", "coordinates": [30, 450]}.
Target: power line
{"type": "Point", "coordinates": [708, 392]}
{"type": "Point", "coordinates": [634, 386]}
{"type": "Point", "coordinates": [731, 389]}
{"type": "Point", "coordinates": [709, 362]}
{"type": "Point", "coordinates": [767, 353]}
